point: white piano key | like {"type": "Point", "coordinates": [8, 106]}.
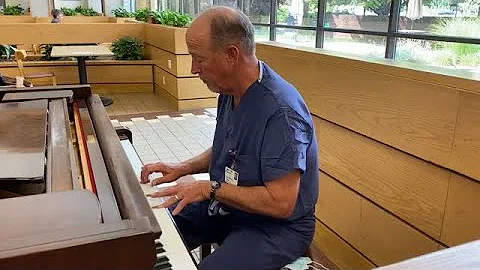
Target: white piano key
{"type": "Point", "coordinates": [175, 250]}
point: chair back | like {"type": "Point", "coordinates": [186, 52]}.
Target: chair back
{"type": "Point", "coordinates": [20, 55]}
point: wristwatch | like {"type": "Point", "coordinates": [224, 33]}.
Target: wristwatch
{"type": "Point", "coordinates": [214, 187]}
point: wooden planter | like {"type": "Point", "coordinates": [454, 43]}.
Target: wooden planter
{"type": "Point", "coordinates": [106, 76]}
{"type": "Point", "coordinates": [166, 46]}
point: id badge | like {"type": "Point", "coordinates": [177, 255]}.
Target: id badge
{"type": "Point", "coordinates": [231, 176]}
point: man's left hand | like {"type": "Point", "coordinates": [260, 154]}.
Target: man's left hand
{"type": "Point", "coordinates": [184, 194]}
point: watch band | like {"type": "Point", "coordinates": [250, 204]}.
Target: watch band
{"type": "Point", "coordinates": [214, 187]}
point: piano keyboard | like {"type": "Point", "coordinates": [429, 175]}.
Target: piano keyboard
{"type": "Point", "coordinates": [171, 251]}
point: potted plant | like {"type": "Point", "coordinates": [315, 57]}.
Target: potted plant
{"type": "Point", "coordinates": [13, 10]}
{"type": "Point", "coordinates": [171, 18]}
{"type": "Point", "coordinates": [122, 13]}
{"type": "Point", "coordinates": [7, 51]}
{"type": "Point", "coordinates": [127, 48]}
{"type": "Point", "coordinates": [79, 11]}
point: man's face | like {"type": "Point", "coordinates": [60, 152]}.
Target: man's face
{"type": "Point", "coordinates": [211, 65]}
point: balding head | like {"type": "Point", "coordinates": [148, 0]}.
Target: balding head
{"type": "Point", "coordinates": [225, 26]}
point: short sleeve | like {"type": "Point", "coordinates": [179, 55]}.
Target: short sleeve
{"type": "Point", "coordinates": [284, 146]}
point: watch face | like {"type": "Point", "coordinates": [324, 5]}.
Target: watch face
{"type": "Point", "coordinates": [215, 184]}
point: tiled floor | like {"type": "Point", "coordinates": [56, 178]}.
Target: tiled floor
{"type": "Point", "coordinates": [137, 103]}
{"type": "Point", "coordinates": [171, 139]}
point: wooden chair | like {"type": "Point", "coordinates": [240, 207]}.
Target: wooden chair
{"type": "Point", "coordinates": [20, 55]}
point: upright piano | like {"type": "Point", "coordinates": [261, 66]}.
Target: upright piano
{"type": "Point", "coordinates": [69, 196]}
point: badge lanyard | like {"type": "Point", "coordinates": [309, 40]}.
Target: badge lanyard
{"type": "Point", "coordinates": [231, 175]}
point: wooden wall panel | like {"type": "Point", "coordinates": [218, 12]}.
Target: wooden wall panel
{"type": "Point", "coordinates": [178, 65]}
{"type": "Point", "coordinates": [182, 88]}
{"type": "Point", "coordinates": [466, 147]}
{"type": "Point", "coordinates": [168, 38]}
{"type": "Point", "coordinates": [337, 250]}
{"type": "Point", "coordinates": [411, 188]}
{"type": "Point", "coordinates": [378, 235]}
{"type": "Point", "coordinates": [414, 116]}
{"type": "Point", "coordinates": [339, 208]}
{"type": "Point", "coordinates": [386, 239]}
{"type": "Point", "coordinates": [54, 33]}
{"type": "Point", "coordinates": [462, 216]}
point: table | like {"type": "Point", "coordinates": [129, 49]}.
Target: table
{"type": "Point", "coordinates": [81, 52]}
{"type": "Point", "coordinates": [466, 256]}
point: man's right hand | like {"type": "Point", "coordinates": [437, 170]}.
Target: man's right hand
{"type": "Point", "coordinates": [171, 172]}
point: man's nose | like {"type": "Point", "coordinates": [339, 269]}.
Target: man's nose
{"type": "Point", "coordinates": [195, 69]}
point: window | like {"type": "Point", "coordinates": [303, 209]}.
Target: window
{"type": "Point", "coordinates": [436, 32]}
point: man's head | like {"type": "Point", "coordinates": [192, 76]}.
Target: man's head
{"type": "Point", "coordinates": [221, 41]}
{"type": "Point", "coordinates": [57, 14]}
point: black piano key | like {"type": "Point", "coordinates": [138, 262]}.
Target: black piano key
{"type": "Point", "coordinates": [162, 258]}
{"type": "Point", "coordinates": [162, 266]}
{"type": "Point", "coordinates": [160, 250]}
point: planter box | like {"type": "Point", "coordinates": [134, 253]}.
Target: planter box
{"type": "Point", "coordinates": [185, 104]}
{"type": "Point", "coordinates": [79, 19]}
{"type": "Point", "coordinates": [182, 88]}
{"type": "Point", "coordinates": [178, 65]}
{"type": "Point", "coordinates": [167, 38]}
{"type": "Point", "coordinates": [173, 80]}
{"type": "Point", "coordinates": [17, 19]}
{"type": "Point", "coordinates": [105, 75]}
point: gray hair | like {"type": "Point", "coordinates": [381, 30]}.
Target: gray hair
{"type": "Point", "coordinates": [56, 13]}
{"type": "Point", "coordinates": [234, 26]}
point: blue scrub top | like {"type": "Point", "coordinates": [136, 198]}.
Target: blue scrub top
{"type": "Point", "coordinates": [272, 132]}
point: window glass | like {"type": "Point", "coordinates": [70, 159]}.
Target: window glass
{"type": "Point", "coordinates": [459, 18]}
{"type": "Point", "coordinates": [262, 33]}
{"type": "Point", "coordinates": [370, 15]}
{"type": "Point", "coordinates": [296, 37]}
{"type": "Point", "coordinates": [364, 45]}
{"type": "Point", "coordinates": [297, 12]}
{"type": "Point", "coordinates": [435, 53]}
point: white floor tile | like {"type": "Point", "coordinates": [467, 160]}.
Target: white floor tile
{"type": "Point", "coordinates": [138, 119]}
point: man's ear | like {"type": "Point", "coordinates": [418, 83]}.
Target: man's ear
{"type": "Point", "coordinates": [232, 53]}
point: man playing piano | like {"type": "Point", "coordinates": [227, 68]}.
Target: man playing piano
{"type": "Point", "coordinates": [259, 205]}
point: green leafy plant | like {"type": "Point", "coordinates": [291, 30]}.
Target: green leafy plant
{"type": "Point", "coordinates": [13, 10]}
{"type": "Point", "coordinates": [459, 53]}
{"type": "Point", "coordinates": [122, 13]}
{"type": "Point", "coordinates": [127, 48]}
{"type": "Point", "coordinates": [68, 11]}
{"type": "Point", "coordinates": [6, 50]}
{"type": "Point", "coordinates": [79, 10]}
{"type": "Point", "coordinates": [46, 50]}
{"type": "Point", "coordinates": [86, 11]}
{"type": "Point", "coordinates": [142, 14]}
{"type": "Point", "coordinates": [171, 18]}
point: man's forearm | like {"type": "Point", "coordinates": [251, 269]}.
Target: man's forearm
{"type": "Point", "coordinates": [256, 200]}
{"type": "Point", "coordinates": [200, 163]}
{"type": "Point", "coordinates": [276, 199]}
